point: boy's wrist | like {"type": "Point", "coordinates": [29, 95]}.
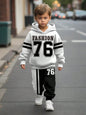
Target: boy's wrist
{"type": "Point", "coordinates": [60, 65]}
{"type": "Point", "coordinates": [23, 63]}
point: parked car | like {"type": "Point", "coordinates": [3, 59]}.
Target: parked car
{"type": "Point", "coordinates": [62, 16]}
{"type": "Point", "coordinates": [52, 15]}
{"type": "Point", "coordinates": [55, 14]}
{"type": "Point", "coordinates": [69, 14]}
{"type": "Point", "coordinates": [79, 14]}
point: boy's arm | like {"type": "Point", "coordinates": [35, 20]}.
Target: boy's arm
{"type": "Point", "coordinates": [26, 49]}
{"type": "Point", "coordinates": [59, 51]}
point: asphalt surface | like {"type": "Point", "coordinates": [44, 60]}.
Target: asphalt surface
{"type": "Point", "coordinates": [17, 96]}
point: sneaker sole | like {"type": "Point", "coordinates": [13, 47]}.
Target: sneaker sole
{"type": "Point", "coordinates": [49, 109]}
{"type": "Point", "coordinates": [38, 104]}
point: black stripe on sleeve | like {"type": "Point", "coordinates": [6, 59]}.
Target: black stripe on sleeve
{"type": "Point", "coordinates": [27, 47]}
{"type": "Point", "coordinates": [27, 43]}
{"type": "Point", "coordinates": [58, 47]}
{"type": "Point", "coordinates": [56, 44]}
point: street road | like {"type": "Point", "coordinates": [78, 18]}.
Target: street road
{"type": "Point", "coordinates": [18, 95]}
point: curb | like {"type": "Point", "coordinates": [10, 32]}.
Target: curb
{"type": "Point", "coordinates": [8, 57]}
{"type": "Point", "coordinates": [2, 64]}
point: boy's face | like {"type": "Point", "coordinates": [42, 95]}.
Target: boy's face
{"type": "Point", "coordinates": [43, 19]}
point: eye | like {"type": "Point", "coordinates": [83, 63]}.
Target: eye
{"type": "Point", "coordinates": [45, 17]}
{"type": "Point", "coordinates": [40, 18]}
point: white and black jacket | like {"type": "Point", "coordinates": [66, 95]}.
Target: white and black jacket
{"type": "Point", "coordinates": [45, 48]}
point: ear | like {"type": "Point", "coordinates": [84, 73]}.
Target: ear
{"type": "Point", "coordinates": [50, 17]}
{"type": "Point", "coordinates": [35, 18]}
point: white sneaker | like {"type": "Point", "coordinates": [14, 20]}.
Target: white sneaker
{"type": "Point", "coordinates": [38, 100]}
{"type": "Point", "coordinates": [49, 105]}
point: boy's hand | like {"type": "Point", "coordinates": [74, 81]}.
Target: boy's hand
{"type": "Point", "coordinates": [59, 68]}
{"type": "Point", "coordinates": [23, 66]}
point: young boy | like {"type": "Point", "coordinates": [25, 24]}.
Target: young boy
{"type": "Point", "coordinates": [44, 46]}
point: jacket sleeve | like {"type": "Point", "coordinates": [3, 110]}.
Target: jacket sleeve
{"type": "Point", "coordinates": [59, 50]}
{"type": "Point", "coordinates": [26, 49]}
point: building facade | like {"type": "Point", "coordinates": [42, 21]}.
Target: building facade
{"type": "Point", "coordinates": [77, 4]}
{"type": "Point", "coordinates": [15, 11]}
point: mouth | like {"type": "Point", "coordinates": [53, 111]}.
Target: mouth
{"type": "Point", "coordinates": [43, 24]}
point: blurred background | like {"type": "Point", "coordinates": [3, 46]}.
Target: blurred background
{"type": "Point", "coordinates": [20, 12]}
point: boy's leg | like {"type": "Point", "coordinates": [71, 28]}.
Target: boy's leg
{"type": "Point", "coordinates": [37, 81]}
{"type": "Point", "coordinates": [49, 83]}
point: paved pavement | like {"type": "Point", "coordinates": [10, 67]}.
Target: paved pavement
{"type": "Point", "coordinates": [17, 96]}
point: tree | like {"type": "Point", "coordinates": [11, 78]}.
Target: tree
{"type": "Point", "coordinates": [63, 3]}
{"type": "Point", "coordinates": [84, 5]}
{"type": "Point", "coordinates": [49, 2]}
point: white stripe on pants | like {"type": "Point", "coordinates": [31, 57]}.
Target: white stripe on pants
{"type": "Point", "coordinates": [35, 80]}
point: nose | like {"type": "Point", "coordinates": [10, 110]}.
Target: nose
{"type": "Point", "coordinates": [42, 19]}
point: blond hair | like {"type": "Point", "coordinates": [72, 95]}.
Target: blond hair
{"type": "Point", "coordinates": [41, 9]}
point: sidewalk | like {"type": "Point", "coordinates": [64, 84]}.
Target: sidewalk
{"type": "Point", "coordinates": [7, 53]}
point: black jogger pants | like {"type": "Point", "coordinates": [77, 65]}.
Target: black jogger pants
{"type": "Point", "coordinates": [44, 80]}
